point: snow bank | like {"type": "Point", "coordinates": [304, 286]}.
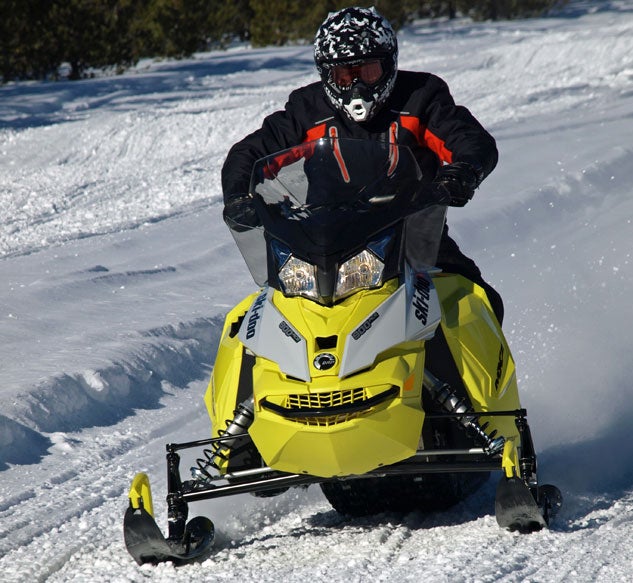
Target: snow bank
{"type": "Point", "coordinates": [176, 355]}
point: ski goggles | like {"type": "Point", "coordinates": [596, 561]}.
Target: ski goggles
{"type": "Point", "coordinates": [369, 72]}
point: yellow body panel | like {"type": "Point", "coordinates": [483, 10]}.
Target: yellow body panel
{"type": "Point", "coordinates": [345, 445]}
{"type": "Point", "coordinates": [385, 433]}
{"type": "Point", "coordinates": [220, 397]}
{"type": "Point", "coordinates": [476, 341]}
{"type": "Point", "coordinates": [480, 351]}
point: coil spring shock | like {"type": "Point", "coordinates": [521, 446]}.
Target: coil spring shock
{"type": "Point", "coordinates": [243, 417]}
{"type": "Point", "coordinates": [444, 395]}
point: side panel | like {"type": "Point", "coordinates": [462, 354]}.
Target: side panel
{"type": "Point", "coordinates": [221, 396]}
{"type": "Point", "coordinates": [268, 334]}
{"type": "Point", "coordinates": [480, 350]}
{"type": "Point", "coordinates": [411, 313]}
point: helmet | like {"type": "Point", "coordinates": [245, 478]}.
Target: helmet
{"type": "Point", "coordinates": [356, 55]}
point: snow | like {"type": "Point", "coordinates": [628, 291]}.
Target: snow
{"type": "Point", "coordinates": [116, 272]}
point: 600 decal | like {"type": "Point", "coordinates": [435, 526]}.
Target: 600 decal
{"type": "Point", "coordinates": [366, 325]}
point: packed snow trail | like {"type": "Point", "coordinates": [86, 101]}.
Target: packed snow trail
{"type": "Point", "coordinates": [70, 524]}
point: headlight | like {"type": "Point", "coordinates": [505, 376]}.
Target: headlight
{"type": "Point", "coordinates": [363, 271]}
{"type": "Point", "coordinates": [298, 278]}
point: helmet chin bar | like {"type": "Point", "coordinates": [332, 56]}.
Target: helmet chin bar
{"type": "Point", "coordinates": [358, 109]}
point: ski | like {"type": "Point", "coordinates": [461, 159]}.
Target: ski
{"type": "Point", "coordinates": [144, 539]}
{"type": "Point", "coordinates": [146, 543]}
{"type": "Point", "coordinates": [517, 510]}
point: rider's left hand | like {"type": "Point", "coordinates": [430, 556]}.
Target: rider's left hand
{"type": "Point", "coordinates": [456, 182]}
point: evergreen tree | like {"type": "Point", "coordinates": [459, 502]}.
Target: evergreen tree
{"type": "Point", "coordinates": [27, 48]}
{"type": "Point", "coordinates": [230, 20]}
{"type": "Point", "coordinates": [37, 36]}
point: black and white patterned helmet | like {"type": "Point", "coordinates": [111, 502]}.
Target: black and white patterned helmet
{"type": "Point", "coordinates": [353, 37]}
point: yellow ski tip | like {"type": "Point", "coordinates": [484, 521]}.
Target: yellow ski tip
{"type": "Point", "coordinates": [141, 494]}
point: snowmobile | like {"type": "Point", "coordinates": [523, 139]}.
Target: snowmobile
{"type": "Point", "coordinates": [357, 365]}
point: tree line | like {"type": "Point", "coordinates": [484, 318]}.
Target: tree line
{"type": "Point", "coordinates": [38, 36]}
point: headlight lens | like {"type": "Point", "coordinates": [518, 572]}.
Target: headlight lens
{"type": "Point", "coordinates": [299, 278]}
{"type": "Point", "coordinates": [363, 271]}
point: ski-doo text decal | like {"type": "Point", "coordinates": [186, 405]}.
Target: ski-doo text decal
{"type": "Point", "coordinates": [266, 333]}
{"type": "Point", "coordinates": [500, 367]}
{"type": "Point", "coordinates": [421, 297]}
{"type": "Point", "coordinates": [251, 325]}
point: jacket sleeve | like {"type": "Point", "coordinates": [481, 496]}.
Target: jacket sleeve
{"type": "Point", "coordinates": [454, 133]}
{"type": "Point", "coordinates": [279, 131]}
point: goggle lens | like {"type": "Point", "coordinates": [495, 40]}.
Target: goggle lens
{"type": "Point", "coordinates": [369, 73]}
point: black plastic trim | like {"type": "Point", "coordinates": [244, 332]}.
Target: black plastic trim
{"type": "Point", "coordinates": [328, 411]}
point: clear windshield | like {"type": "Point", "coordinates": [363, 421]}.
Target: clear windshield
{"type": "Point", "coordinates": [329, 197]}
{"type": "Point", "coordinates": [335, 175]}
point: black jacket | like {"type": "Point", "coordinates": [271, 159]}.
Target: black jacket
{"type": "Point", "coordinates": [420, 113]}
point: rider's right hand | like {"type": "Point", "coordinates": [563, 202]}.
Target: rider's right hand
{"type": "Point", "coordinates": [240, 214]}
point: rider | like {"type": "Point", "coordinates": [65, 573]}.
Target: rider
{"type": "Point", "coordinates": [363, 95]}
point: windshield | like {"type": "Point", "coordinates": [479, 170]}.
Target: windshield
{"type": "Point", "coordinates": [334, 176]}
{"type": "Point", "coordinates": [326, 199]}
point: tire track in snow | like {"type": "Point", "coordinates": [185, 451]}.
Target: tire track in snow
{"type": "Point", "coordinates": [60, 514]}
{"type": "Point", "coordinates": [171, 357]}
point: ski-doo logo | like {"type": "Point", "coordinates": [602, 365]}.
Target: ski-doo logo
{"type": "Point", "coordinates": [366, 325]}
{"type": "Point", "coordinates": [421, 297]}
{"type": "Point", "coordinates": [255, 316]}
{"type": "Point", "coordinates": [324, 361]}
{"type": "Point", "coordinates": [288, 331]}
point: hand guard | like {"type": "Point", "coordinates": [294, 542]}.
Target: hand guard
{"type": "Point", "coordinates": [240, 214]}
{"type": "Point", "coordinates": [457, 182]}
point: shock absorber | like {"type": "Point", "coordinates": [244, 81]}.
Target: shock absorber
{"type": "Point", "coordinates": [243, 417]}
{"type": "Point", "coordinates": [446, 397]}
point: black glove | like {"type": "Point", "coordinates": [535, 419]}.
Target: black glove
{"type": "Point", "coordinates": [240, 214]}
{"type": "Point", "coordinates": [456, 182]}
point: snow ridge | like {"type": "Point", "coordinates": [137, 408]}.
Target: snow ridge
{"type": "Point", "coordinates": [172, 355]}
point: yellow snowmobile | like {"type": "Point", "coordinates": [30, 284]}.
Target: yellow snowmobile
{"type": "Point", "coordinates": [357, 366]}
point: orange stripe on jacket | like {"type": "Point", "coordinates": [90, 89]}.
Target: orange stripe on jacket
{"type": "Point", "coordinates": [426, 137]}
{"type": "Point", "coordinates": [292, 154]}
{"type": "Point", "coordinates": [315, 133]}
